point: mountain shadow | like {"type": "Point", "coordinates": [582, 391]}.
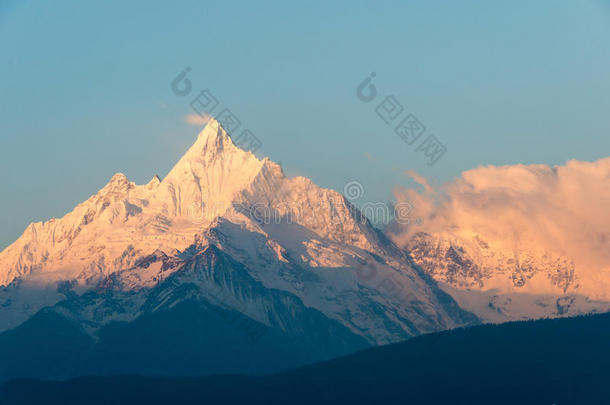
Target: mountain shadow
{"type": "Point", "coordinates": [559, 361]}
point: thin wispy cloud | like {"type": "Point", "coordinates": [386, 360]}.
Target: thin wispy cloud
{"type": "Point", "coordinates": [419, 179]}
{"type": "Point", "coordinates": [197, 120]}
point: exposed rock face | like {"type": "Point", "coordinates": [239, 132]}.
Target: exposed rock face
{"type": "Point", "coordinates": [500, 284]}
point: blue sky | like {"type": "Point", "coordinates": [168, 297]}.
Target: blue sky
{"type": "Point", "coordinates": [86, 89]}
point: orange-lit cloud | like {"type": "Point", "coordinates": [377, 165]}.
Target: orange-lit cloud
{"type": "Point", "coordinates": [561, 209]}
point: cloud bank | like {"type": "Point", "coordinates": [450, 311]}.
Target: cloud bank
{"type": "Point", "coordinates": [561, 209]}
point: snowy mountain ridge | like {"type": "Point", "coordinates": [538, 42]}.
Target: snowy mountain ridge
{"type": "Point", "coordinates": [128, 240]}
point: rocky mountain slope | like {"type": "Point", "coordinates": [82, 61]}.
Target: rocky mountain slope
{"type": "Point", "coordinates": [501, 283]}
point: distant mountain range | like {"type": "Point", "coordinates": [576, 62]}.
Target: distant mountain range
{"type": "Point", "coordinates": [228, 266]}
{"type": "Point", "coordinates": [559, 361]}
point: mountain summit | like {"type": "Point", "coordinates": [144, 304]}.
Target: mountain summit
{"type": "Point", "coordinates": [210, 175]}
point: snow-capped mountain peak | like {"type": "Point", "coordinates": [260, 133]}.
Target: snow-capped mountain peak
{"type": "Point", "coordinates": [289, 234]}
{"type": "Point", "coordinates": [207, 179]}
